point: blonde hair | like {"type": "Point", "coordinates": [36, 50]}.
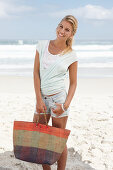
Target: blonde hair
{"type": "Point", "coordinates": [73, 21]}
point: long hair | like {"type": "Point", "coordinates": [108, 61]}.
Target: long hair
{"type": "Point", "coordinates": [73, 21]}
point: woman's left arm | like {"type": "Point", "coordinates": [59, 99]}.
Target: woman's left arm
{"type": "Point", "coordinates": [72, 84]}
{"type": "Point", "coordinates": [72, 87]}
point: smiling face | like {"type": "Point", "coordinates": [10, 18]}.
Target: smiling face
{"type": "Point", "coordinates": [64, 30]}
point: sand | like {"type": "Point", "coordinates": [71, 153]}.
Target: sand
{"type": "Point", "coordinates": [90, 144]}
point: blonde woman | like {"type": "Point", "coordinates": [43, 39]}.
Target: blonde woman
{"type": "Point", "coordinates": [53, 60]}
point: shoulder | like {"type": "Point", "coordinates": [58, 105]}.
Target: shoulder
{"type": "Point", "coordinates": [41, 43]}
{"type": "Point", "coordinates": [74, 52]}
{"type": "Point", "coordinates": [73, 55]}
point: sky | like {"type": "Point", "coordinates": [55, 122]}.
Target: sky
{"type": "Point", "coordinates": [34, 19]}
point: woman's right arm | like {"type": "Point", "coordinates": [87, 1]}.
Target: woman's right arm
{"type": "Point", "coordinates": [40, 106]}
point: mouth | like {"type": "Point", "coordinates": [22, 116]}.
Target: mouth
{"type": "Point", "coordinates": [61, 35]}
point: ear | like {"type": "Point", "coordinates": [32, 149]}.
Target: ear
{"type": "Point", "coordinates": [71, 37]}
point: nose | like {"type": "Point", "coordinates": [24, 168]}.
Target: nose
{"type": "Point", "coordinates": [62, 31]}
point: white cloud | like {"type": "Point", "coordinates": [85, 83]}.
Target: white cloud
{"type": "Point", "coordinates": [92, 12]}
{"type": "Point", "coordinates": [9, 9]}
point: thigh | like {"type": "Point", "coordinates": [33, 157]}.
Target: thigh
{"type": "Point", "coordinates": [59, 122]}
{"type": "Point", "coordinates": [59, 98]}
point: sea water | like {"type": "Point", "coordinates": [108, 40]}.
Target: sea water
{"type": "Point", "coordinates": [95, 58]}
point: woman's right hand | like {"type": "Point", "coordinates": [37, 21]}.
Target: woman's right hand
{"type": "Point", "coordinates": [40, 108]}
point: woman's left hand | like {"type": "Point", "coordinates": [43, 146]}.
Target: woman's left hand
{"type": "Point", "coordinates": [58, 110]}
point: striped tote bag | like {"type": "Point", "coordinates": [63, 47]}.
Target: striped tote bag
{"type": "Point", "coordinates": [38, 143]}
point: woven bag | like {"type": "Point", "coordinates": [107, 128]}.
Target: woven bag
{"type": "Point", "coordinates": [38, 143]}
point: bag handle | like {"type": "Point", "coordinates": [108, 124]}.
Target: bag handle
{"type": "Point", "coordinates": [44, 117]}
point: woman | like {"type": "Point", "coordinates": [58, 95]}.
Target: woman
{"type": "Point", "coordinates": [53, 60]}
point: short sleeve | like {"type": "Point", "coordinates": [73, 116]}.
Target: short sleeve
{"type": "Point", "coordinates": [74, 55]}
{"type": "Point", "coordinates": [73, 58]}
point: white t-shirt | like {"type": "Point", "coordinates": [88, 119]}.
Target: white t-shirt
{"type": "Point", "coordinates": [56, 69]}
{"type": "Point", "coordinates": [49, 58]}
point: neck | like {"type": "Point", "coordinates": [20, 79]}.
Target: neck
{"type": "Point", "coordinates": [60, 43]}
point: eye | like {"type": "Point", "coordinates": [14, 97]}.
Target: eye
{"type": "Point", "coordinates": [67, 29]}
{"type": "Point", "coordinates": [61, 26]}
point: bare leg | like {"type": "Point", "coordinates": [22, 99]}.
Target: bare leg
{"type": "Point", "coordinates": [62, 161]}
{"type": "Point", "coordinates": [61, 123]}
{"type": "Point", "coordinates": [46, 167]}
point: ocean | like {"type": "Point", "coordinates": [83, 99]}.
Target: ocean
{"type": "Point", "coordinates": [95, 57]}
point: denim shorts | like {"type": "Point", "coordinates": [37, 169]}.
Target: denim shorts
{"type": "Point", "coordinates": [50, 103]}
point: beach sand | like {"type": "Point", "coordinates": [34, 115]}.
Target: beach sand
{"type": "Point", "coordinates": [90, 144]}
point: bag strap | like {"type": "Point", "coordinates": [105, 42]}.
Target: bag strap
{"type": "Point", "coordinates": [44, 117]}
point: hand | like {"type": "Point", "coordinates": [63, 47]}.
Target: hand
{"type": "Point", "coordinates": [36, 118]}
{"type": "Point", "coordinates": [58, 110]}
{"type": "Point", "coordinates": [41, 107]}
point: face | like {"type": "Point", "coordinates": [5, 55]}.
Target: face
{"type": "Point", "coordinates": [64, 30]}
